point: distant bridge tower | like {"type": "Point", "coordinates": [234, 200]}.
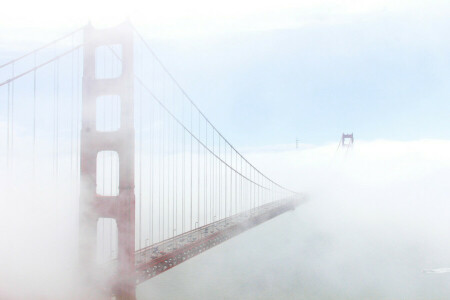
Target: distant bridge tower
{"type": "Point", "coordinates": [93, 206]}
{"type": "Point", "coordinates": [347, 140]}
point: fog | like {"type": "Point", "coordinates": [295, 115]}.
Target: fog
{"type": "Point", "coordinates": [39, 240]}
{"type": "Point", "coordinates": [376, 218]}
{"type": "Point", "coordinates": [375, 226]}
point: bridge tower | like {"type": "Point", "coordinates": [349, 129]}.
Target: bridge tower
{"type": "Point", "coordinates": [347, 140]}
{"type": "Point", "coordinates": [93, 206]}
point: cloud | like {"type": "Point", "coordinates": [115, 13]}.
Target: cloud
{"type": "Point", "coordinates": [39, 240]}
{"type": "Point", "coordinates": [377, 217]}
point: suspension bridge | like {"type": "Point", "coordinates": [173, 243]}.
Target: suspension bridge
{"type": "Point", "coordinates": [96, 114]}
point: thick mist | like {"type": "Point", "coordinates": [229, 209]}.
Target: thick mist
{"type": "Point", "coordinates": [39, 244]}
{"type": "Point", "coordinates": [376, 218]}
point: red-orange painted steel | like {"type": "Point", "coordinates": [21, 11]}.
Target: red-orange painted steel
{"type": "Point", "coordinates": [93, 206]}
{"type": "Point", "coordinates": [161, 264]}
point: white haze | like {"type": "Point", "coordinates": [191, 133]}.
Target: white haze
{"type": "Point", "coordinates": [38, 240]}
{"type": "Point", "coordinates": [376, 218]}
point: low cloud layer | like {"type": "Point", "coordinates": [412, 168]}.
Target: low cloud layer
{"type": "Point", "coordinates": [38, 247]}
{"type": "Point", "coordinates": [377, 217]}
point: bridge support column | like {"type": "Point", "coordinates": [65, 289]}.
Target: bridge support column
{"type": "Point", "coordinates": [121, 208]}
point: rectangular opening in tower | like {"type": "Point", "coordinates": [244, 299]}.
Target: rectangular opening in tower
{"type": "Point", "coordinates": [106, 240]}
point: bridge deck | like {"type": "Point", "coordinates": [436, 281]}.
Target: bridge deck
{"type": "Point", "coordinates": [160, 257]}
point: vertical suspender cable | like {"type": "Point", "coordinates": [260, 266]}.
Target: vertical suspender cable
{"type": "Point", "coordinates": [205, 181]}
{"type": "Point", "coordinates": [191, 169]}
{"type": "Point", "coordinates": [175, 226]}
{"type": "Point", "coordinates": [57, 120]}
{"type": "Point", "coordinates": [183, 191]}
{"type": "Point", "coordinates": [220, 182]}
{"type": "Point", "coordinates": [78, 109]}
{"type": "Point", "coordinates": [8, 129]}
{"type": "Point", "coordinates": [71, 112]}
{"type": "Point", "coordinates": [231, 181]}
{"type": "Point", "coordinates": [169, 131]}
{"type": "Point", "coordinates": [160, 160]}
{"type": "Point", "coordinates": [173, 168]}
{"type": "Point", "coordinates": [12, 120]}
{"type": "Point", "coordinates": [54, 118]}
{"type": "Point", "coordinates": [34, 119]}
{"type": "Point", "coordinates": [236, 184]}
{"type": "Point", "coordinates": [111, 163]}
{"type": "Point", "coordinates": [183, 188]}
{"type": "Point", "coordinates": [152, 167]}
{"type": "Point", "coordinates": [213, 182]}
{"type": "Point", "coordinates": [163, 167]}
{"type": "Point", "coordinates": [241, 186]}
{"type": "Point", "coordinates": [140, 156]}
{"type": "Point", "coordinates": [198, 173]}
{"type": "Point", "coordinates": [152, 143]}
{"type": "Point", "coordinates": [226, 181]}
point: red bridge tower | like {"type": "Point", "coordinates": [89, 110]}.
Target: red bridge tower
{"type": "Point", "coordinates": [93, 206]}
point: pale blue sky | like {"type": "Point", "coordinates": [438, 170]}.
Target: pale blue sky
{"type": "Point", "coordinates": [381, 76]}
{"type": "Point", "coordinates": [269, 72]}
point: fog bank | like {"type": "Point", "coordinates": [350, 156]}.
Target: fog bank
{"type": "Point", "coordinates": [376, 218]}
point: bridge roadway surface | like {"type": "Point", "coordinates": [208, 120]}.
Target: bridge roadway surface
{"type": "Point", "coordinates": [160, 257]}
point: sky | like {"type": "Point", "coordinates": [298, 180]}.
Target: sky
{"type": "Point", "coordinates": [271, 72]}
